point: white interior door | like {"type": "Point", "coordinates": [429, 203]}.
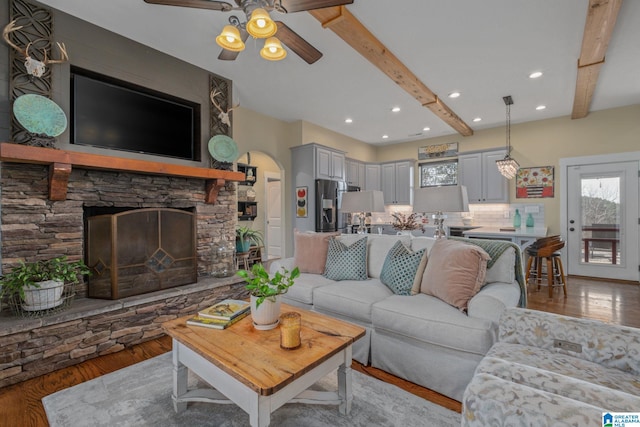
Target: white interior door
{"type": "Point", "coordinates": [602, 220]}
{"type": "Point", "coordinates": [273, 217]}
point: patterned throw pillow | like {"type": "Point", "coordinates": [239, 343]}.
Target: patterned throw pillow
{"type": "Point", "coordinates": [346, 262]}
{"type": "Point", "coordinates": [400, 267]}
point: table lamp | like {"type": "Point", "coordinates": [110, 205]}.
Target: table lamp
{"type": "Point", "coordinates": [362, 202]}
{"type": "Point", "coordinates": [452, 198]}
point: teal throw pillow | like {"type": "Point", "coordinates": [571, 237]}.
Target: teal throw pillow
{"type": "Point", "coordinates": [346, 262]}
{"type": "Point", "coordinates": [400, 268]}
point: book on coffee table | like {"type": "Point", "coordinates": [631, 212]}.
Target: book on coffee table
{"type": "Point", "coordinates": [215, 323]}
{"type": "Point", "coordinates": [225, 310]}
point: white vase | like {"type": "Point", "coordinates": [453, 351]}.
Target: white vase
{"type": "Point", "coordinates": [265, 316]}
{"type": "Point", "coordinates": [47, 295]}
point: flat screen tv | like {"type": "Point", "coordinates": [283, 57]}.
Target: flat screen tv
{"type": "Point", "coordinates": [113, 114]}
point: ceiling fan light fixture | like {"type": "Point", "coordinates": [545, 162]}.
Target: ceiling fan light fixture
{"type": "Point", "coordinates": [273, 50]}
{"type": "Point", "coordinates": [229, 39]}
{"type": "Point", "coordinates": [261, 26]}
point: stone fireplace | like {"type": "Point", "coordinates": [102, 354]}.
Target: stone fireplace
{"type": "Point", "coordinates": [44, 197]}
{"type": "Point", "coordinates": [34, 227]}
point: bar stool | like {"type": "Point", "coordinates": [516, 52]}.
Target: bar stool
{"type": "Point", "coordinates": [546, 251]}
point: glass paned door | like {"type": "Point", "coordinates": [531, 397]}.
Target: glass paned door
{"type": "Point", "coordinates": [602, 212]}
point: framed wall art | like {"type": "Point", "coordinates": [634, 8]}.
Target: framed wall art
{"type": "Point", "coordinates": [301, 202]}
{"type": "Point", "coordinates": [534, 183]}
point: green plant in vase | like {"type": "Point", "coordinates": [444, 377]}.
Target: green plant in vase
{"type": "Point", "coordinates": [245, 237]}
{"type": "Point", "coordinates": [265, 291]}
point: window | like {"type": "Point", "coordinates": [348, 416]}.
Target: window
{"type": "Point", "coordinates": [433, 174]}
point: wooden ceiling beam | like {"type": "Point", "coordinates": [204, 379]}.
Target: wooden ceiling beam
{"type": "Point", "coordinates": [599, 25]}
{"type": "Point", "coordinates": [339, 20]}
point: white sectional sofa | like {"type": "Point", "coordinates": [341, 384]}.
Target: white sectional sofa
{"type": "Point", "coordinates": [417, 337]}
{"type": "Point", "coordinates": [553, 370]}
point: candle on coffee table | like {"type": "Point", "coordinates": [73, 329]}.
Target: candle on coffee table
{"type": "Point", "coordinates": [290, 331]}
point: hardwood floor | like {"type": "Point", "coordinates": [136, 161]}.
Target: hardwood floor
{"type": "Point", "coordinates": [20, 404]}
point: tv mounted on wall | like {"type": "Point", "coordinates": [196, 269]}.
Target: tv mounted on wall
{"type": "Point", "coordinates": [113, 114]}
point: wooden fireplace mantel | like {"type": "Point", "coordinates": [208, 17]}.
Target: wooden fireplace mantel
{"type": "Point", "coordinates": [61, 162]}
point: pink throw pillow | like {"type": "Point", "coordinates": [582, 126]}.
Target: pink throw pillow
{"type": "Point", "coordinates": [311, 251]}
{"type": "Point", "coordinates": [455, 272]}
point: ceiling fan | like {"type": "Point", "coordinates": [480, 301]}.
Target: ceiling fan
{"type": "Point", "coordinates": [259, 24]}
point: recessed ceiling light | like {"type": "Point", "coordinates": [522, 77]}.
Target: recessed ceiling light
{"type": "Point", "coordinates": [395, 109]}
{"type": "Point", "coordinates": [348, 120]}
{"type": "Point", "coordinates": [385, 136]}
{"type": "Point", "coordinates": [427, 128]}
{"type": "Point", "coordinates": [541, 107]}
{"type": "Point", "coordinates": [454, 94]}
{"type": "Point", "coordinates": [477, 119]}
{"type": "Point", "coordinates": [535, 74]}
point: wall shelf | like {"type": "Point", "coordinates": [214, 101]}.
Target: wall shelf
{"type": "Point", "coordinates": [250, 174]}
{"type": "Point", "coordinates": [61, 162]}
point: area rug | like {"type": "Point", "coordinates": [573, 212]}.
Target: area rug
{"type": "Point", "coordinates": [140, 395]}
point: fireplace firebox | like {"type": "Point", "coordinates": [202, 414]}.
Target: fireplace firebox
{"type": "Point", "coordinates": [139, 251]}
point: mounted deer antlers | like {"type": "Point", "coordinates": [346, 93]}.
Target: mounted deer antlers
{"type": "Point", "coordinates": [224, 115]}
{"type": "Point", "coordinates": [33, 66]}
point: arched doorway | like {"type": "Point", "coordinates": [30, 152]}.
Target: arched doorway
{"type": "Point", "coordinates": [267, 192]}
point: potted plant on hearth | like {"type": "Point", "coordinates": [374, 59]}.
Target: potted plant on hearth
{"type": "Point", "coordinates": [39, 285]}
{"type": "Point", "coordinates": [245, 236]}
{"type": "Point", "coordinates": [265, 292]}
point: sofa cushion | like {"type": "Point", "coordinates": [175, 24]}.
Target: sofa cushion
{"type": "Point", "coordinates": [311, 251]}
{"type": "Point", "coordinates": [352, 299]}
{"type": "Point", "coordinates": [346, 262]}
{"type": "Point", "coordinates": [428, 319]}
{"type": "Point", "coordinates": [455, 272]}
{"type": "Point", "coordinates": [302, 290]}
{"type": "Point", "coordinates": [492, 401]}
{"type": "Point", "coordinates": [502, 269]}
{"type": "Point", "coordinates": [563, 375]}
{"type": "Point", "coordinates": [400, 268]}
{"type": "Point", "coordinates": [377, 248]}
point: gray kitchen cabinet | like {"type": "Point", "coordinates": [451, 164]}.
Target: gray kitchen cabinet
{"type": "Point", "coordinates": [330, 164]}
{"type": "Point", "coordinates": [354, 172]}
{"type": "Point", "coordinates": [479, 173]}
{"type": "Point", "coordinates": [397, 182]}
{"type": "Point", "coordinates": [371, 176]}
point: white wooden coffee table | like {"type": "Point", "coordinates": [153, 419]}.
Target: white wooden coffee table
{"type": "Point", "coordinates": [247, 367]}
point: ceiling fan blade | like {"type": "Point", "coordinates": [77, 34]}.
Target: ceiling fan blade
{"type": "Point", "coordinates": [299, 5]}
{"type": "Point", "coordinates": [300, 46]}
{"type": "Point", "coordinates": [198, 4]}
{"type": "Point", "coordinates": [228, 55]}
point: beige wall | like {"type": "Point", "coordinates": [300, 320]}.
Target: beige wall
{"type": "Point", "coordinates": [355, 149]}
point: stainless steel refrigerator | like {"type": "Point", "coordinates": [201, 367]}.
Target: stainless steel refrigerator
{"type": "Point", "coordinates": [327, 203]}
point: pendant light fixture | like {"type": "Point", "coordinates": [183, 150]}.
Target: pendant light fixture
{"type": "Point", "coordinates": [508, 167]}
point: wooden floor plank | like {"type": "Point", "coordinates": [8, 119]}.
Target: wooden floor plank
{"type": "Point", "coordinates": [610, 302]}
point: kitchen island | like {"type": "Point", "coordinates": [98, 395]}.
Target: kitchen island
{"type": "Point", "coordinates": [522, 237]}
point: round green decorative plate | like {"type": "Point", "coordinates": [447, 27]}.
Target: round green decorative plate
{"type": "Point", "coordinates": [39, 115]}
{"type": "Point", "coordinates": [223, 149]}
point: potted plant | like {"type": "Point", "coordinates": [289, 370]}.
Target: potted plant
{"type": "Point", "coordinates": [39, 285]}
{"type": "Point", "coordinates": [245, 236]}
{"type": "Point", "coordinates": [265, 293]}
{"type": "Point", "coordinates": [407, 223]}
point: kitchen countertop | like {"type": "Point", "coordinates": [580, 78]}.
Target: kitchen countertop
{"type": "Point", "coordinates": [534, 232]}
